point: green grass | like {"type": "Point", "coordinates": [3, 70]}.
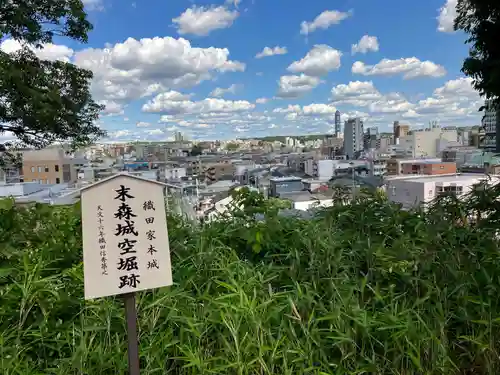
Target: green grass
{"type": "Point", "coordinates": [364, 289]}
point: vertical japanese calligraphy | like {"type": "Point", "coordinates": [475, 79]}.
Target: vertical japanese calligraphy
{"type": "Point", "coordinates": [102, 241]}
{"type": "Point", "coordinates": [149, 207]}
{"type": "Point", "coordinates": [125, 229]}
{"type": "Point", "coordinates": [125, 236]}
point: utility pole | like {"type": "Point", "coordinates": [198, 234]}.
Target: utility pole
{"type": "Point", "coordinates": [353, 185]}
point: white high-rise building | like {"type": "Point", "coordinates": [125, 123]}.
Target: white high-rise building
{"type": "Point", "coordinates": [353, 137]}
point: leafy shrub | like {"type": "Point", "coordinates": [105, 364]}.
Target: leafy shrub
{"type": "Point", "coordinates": [361, 289]}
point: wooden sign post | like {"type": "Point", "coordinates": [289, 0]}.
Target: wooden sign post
{"type": "Point", "coordinates": [125, 244]}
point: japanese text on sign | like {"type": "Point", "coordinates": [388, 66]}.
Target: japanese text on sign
{"type": "Point", "coordinates": [127, 262]}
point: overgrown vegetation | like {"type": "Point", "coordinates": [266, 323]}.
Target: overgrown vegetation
{"type": "Point", "coordinates": [363, 289]}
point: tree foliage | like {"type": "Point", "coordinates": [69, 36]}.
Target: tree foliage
{"type": "Point", "coordinates": [45, 101]}
{"type": "Point", "coordinates": [480, 19]}
{"type": "Point", "coordinates": [196, 150]}
{"type": "Point", "coordinates": [232, 146]}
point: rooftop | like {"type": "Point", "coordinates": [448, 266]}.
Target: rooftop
{"type": "Point", "coordinates": [449, 178]}
{"type": "Point", "coordinates": [286, 178]}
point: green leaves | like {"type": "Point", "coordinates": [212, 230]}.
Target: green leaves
{"type": "Point", "coordinates": [38, 21]}
{"type": "Point", "coordinates": [480, 19]}
{"type": "Point", "coordinates": [45, 101]}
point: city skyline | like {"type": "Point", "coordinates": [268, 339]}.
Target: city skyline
{"type": "Point", "coordinates": [226, 70]}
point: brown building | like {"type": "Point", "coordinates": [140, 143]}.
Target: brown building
{"type": "Point", "coordinates": [48, 166]}
{"type": "Point", "coordinates": [214, 172]}
{"type": "Point", "coordinates": [429, 168]}
{"type": "Point", "coordinates": [400, 130]}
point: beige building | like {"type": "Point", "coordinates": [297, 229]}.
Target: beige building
{"type": "Point", "coordinates": [400, 130]}
{"type": "Point", "coordinates": [49, 166]}
{"type": "Point", "coordinates": [427, 142]}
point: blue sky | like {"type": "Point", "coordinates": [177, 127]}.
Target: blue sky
{"type": "Point", "coordinates": [164, 66]}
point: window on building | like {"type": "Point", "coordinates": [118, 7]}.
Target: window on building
{"type": "Point", "coordinates": [47, 181]}
{"type": "Point", "coordinates": [39, 169]}
{"type": "Point", "coordinates": [32, 169]}
{"type": "Point", "coordinates": [58, 180]}
{"type": "Point", "coordinates": [46, 169]}
{"type": "Point", "coordinates": [56, 167]}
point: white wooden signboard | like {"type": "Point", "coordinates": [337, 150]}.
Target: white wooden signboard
{"type": "Point", "coordinates": [125, 237]}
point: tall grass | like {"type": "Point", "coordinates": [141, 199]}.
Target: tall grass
{"type": "Point", "coordinates": [363, 289]}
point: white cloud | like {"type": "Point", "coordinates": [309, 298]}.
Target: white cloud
{"type": "Point", "coordinates": [320, 60]}
{"type": "Point", "coordinates": [112, 108]}
{"type": "Point", "coordinates": [461, 87]}
{"type": "Point", "coordinates": [314, 109]}
{"type": "Point", "coordinates": [48, 51]}
{"type": "Point", "coordinates": [295, 86]}
{"type": "Point", "coordinates": [160, 104]}
{"type": "Point", "coordinates": [262, 100]}
{"type": "Point", "coordinates": [323, 21]}
{"type": "Point", "coordinates": [447, 15]}
{"type": "Point", "coordinates": [267, 51]}
{"type": "Point", "coordinates": [410, 67]}
{"type": "Point", "coordinates": [140, 68]}
{"type": "Point", "coordinates": [365, 44]}
{"type": "Point", "coordinates": [142, 124]}
{"type": "Point", "coordinates": [355, 93]}
{"type": "Point", "coordinates": [219, 91]}
{"type": "Point", "coordinates": [203, 20]}
{"type": "Point", "coordinates": [453, 102]}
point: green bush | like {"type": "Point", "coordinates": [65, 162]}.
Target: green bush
{"type": "Point", "coordinates": [361, 289]}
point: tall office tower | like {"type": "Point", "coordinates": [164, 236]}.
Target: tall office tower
{"type": "Point", "coordinates": [337, 123]}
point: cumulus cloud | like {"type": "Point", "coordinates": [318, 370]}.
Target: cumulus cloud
{"type": "Point", "coordinates": [268, 51]}
{"type": "Point", "coordinates": [201, 21]}
{"type": "Point", "coordinates": [111, 108]}
{"type": "Point", "coordinates": [262, 100]}
{"type": "Point", "coordinates": [48, 51]}
{"type": "Point", "coordinates": [219, 91]}
{"type": "Point", "coordinates": [454, 101]}
{"type": "Point", "coordinates": [314, 109]}
{"type": "Point", "coordinates": [366, 43]}
{"type": "Point", "coordinates": [446, 17]}
{"type": "Point", "coordinates": [323, 21]}
{"type": "Point", "coordinates": [142, 124]}
{"type": "Point", "coordinates": [161, 104]}
{"type": "Point", "coordinates": [294, 86]}
{"type": "Point", "coordinates": [320, 60]}
{"type": "Point", "coordinates": [410, 67]}
{"type": "Point", "coordinates": [357, 93]}
{"type": "Point", "coordinates": [139, 68]}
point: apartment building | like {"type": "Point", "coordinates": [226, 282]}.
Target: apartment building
{"type": "Point", "coordinates": [429, 168]}
{"type": "Point", "coordinates": [411, 191]}
{"type": "Point", "coordinates": [214, 172]}
{"type": "Point", "coordinates": [394, 167]}
{"type": "Point", "coordinates": [491, 127]}
{"type": "Point", "coordinates": [353, 137]}
{"type": "Point", "coordinates": [49, 166]}
{"type": "Point", "coordinates": [400, 130]}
